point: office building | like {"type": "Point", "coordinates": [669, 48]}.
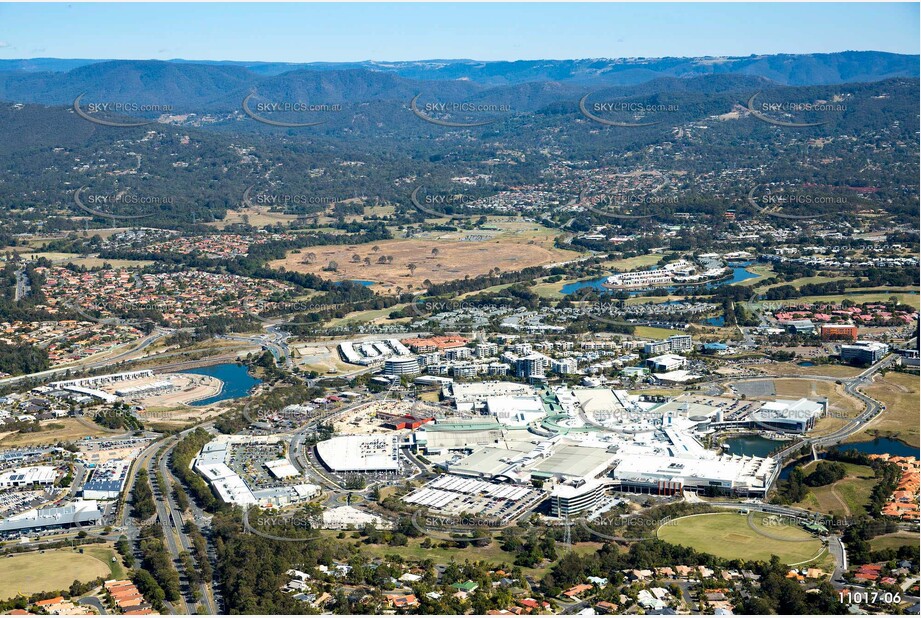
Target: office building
{"type": "Point", "coordinates": [666, 363]}
{"type": "Point", "coordinates": [564, 366]}
{"type": "Point", "coordinates": [402, 366]}
{"type": "Point", "coordinates": [838, 332]}
{"type": "Point", "coordinates": [570, 499]}
{"type": "Point", "coordinates": [864, 352]}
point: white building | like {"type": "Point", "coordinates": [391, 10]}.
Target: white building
{"type": "Point", "coordinates": [867, 352]}
{"type": "Point", "coordinates": [27, 477]}
{"type": "Point", "coordinates": [666, 363]}
{"type": "Point", "coordinates": [361, 453]}
{"type": "Point", "coordinates": [789, 416]}
{"type": "Point", "coordinates": [84, 512]}
{"type": "Point", "coordinates": [402, 366]}
{"type": "Point", "coordinates": [667, 475]}
{"type": "Point", "coordinates": [567, 499]}
{"type": "Point", "coordinates": [516, 411]}
{"type": "Point", "coordinates": [564, 366]}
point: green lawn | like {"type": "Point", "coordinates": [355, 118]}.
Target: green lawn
{"type": "Point", "coordinates": [46, 571]}
{"type": "Point", "coordinates": [489, 290]}
{"type": "Point", "coordinates": [729, 535]}
{"type": "Point", "coordinates": [913, 300]}
{"type": "Point", "coordinates": [370, 315]}
{"type": "Point", "coordinates": [106, 553]}
{"type": "Point", "coordinates": [632, 263]}
{"type": "Point", "coordinates": [798, 283]}
{"type": "Point", "coordinates": [651, 332]}
{"type": "Point", "coordinates": [642, 300]}
{"type": "Point", "coordinates": [894, 540]}
{"type": "Point", "coordinates": [762, 270]}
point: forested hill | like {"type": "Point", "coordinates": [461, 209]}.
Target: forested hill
{"type": "Point", "coordinates": [210, 85]}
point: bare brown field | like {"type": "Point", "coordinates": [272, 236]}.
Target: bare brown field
{"type": "Point", "coordinates": [436, 260]}
{"type": "Point", "coordinates": [834, 371]}
{"type": "Point", "coordinates": [257, 217]}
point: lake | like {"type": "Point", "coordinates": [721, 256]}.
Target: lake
{"type": "Point", "coordinates": [236, 379]}
{"type": "Point", "coordinates": [740, 272]}
{"type": "Point", "coordinates": [880, 446]}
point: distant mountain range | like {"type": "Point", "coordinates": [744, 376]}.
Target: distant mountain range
{"type": "Point", "coordinates": [788, 69]}
{"type": "Point", "coordinates": [218, 86]}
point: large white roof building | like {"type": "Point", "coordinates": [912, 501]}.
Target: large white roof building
{"type": "Point", "coordinates": [361, 453]}
{"type": "Point", "coordinates": [25, 477]}
{"type": "Point", "coordinates": [660, 474]}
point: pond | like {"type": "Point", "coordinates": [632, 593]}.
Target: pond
{"type": "Point", "coordinates": [751, 445]}
{"type": "Point", "coordinates": [235, 378]}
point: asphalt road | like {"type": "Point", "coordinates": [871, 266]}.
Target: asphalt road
{"type": "Point", "coordinates": [165, 520]}
{"type": "Point", "coordinates": [95, 602]}
{"type": "Point", "coordinates": [175, 522]}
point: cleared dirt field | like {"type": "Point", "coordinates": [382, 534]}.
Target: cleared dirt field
{"type": "Point", "coordinates": [320, 358]}
{"type": "Point", "coordinates": [900, 393]}
{"type": "Point", "coordinates": [441, 259]}
{"type": "Point", "coordinates": [729, 535]}
{"type": "Point", "coordinates": [834, 371]}
{"type": "Point", "coordinates": [52, 570]}
{"type": "Point", "coordinates": [60, 430]}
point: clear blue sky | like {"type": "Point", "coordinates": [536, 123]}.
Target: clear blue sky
{"type": "Point", "coordinates": [348, 32]}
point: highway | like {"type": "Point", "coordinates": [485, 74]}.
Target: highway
{"type": "Point", "coordinates": [175, 521]}
{"type": "Point", "coordinates": [164, 517]}
{"type": "Point", "coordinates": [276, 342]}
{"type": "Point", "coordinates": [168, 514]}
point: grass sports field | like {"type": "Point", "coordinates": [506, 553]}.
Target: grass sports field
{"type": "Point", "coordinates": [51, 570]}
{"type": "Point", "coordinates": [731, 536]}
